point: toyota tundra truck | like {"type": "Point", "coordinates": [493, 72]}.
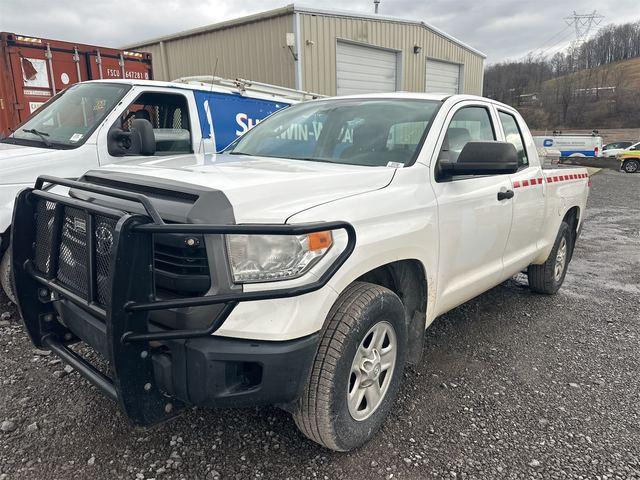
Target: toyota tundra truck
{"type": "Point", "coordinates": [300, 267]}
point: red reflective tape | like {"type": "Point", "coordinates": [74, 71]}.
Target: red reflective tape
{"type": "Point", "coordinates": [525, 183]}
{"type": "Point", "coordinates": [549, 180]}
{"type": "Point", "coordinates": [540, 181]}
{"type": "Point", "coordinates": [516, 184]}
{"type": "Point", "coordinates": [555, 178]}
{"type": "Point", "coordinates": [532, 181]}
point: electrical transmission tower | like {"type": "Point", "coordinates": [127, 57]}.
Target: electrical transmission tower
{"type": "Point", "coordinates": [583, 24]}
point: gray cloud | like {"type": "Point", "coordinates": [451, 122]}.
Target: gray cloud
{"type": "Point", "coordinates": [502, 29]}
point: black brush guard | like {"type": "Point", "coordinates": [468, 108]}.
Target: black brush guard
{"type": "Point", "coordinates": [118, 292]}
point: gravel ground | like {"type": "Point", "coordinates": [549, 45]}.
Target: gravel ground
{"type": "Point", "coordinates": [512, 385]}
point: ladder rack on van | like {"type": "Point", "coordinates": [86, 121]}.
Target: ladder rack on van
{"type": "Point", "coordinates": [249, 85]}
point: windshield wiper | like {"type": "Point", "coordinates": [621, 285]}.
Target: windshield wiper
{"type": "Point", "coordinates": [43, 135]}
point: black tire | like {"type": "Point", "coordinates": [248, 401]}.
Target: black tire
{"type": "Point", "coordinates": [5, 275]}
{"type": "Point", "coordinates": [631, 166]}
{"type": "Point", "coordinates": [543, 278]}
{"type": "Point", "coordinates": [322, 413]}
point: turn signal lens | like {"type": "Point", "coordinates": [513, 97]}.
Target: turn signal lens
{"type": "Point", "coordinates": [320, 241]}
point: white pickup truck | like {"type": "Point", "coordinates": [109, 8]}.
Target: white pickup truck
{"type": "Point", "coordinates": [299, 268]}
{"type": "Point", "coordinates": [89, 125]}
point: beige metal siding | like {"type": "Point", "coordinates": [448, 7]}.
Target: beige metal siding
{"type": "Point", "coordinates": [318, 48]}
{"type": "Point", "coordinates": [255, 51]}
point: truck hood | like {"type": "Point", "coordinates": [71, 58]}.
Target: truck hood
{"type": "Point", "coordinates": [9, 151]}
{"type": "Point", "coordinates": [262, 189]}
{"type": "Point", "coordinates": [21, 165]}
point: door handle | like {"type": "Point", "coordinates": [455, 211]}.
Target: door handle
{"type": "Point", "coordinates": [505, 195]}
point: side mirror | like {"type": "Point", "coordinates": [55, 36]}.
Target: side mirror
{"type": "Point", "coordinates": [140, 140]}
{"type": "Point", "coordinates": [483, 158]}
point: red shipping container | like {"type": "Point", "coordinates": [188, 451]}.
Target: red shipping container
{"type": "Point", "coordinates": [32, 70]}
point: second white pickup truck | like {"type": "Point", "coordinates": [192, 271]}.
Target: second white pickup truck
{"type": "Point", "coordinates": [92, 124]}
{"type": "Point", "coordinates": [299, 268]}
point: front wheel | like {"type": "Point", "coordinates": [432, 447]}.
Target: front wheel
{"type": "Point", "coordinates": [548, 277]}
{"type": "Point", "coordinates": [5, 275]}
{"type": "Point", "coordinates": [631, 166]}
{"type": "Point", "coordinates": [357, 370]}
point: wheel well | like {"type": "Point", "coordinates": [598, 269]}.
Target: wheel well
{"type": "Point", "coordinates": [408, 280]}
{"type": "Point", "coordinates": [405, 278]}
{"type": "Point", "coordinates": [572, 218]}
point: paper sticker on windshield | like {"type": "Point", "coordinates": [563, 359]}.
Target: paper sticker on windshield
{"type": "Point", "coordinates": [395, 164]}
{"type": "Point", "coordinates": [75, 137]}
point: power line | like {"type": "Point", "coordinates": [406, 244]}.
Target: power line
{"type": "Point", "coordinates": [546, 42]}
{"type": "Point", "coordinates": [556, 47]}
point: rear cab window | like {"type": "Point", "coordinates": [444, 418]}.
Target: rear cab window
{"type": "Point", "coordinates": [513, 135]}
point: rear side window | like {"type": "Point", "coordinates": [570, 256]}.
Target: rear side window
{"type": "Point", "coordinates": [513, 135]}
{"type": "Point", "coordinates": [469, 124]}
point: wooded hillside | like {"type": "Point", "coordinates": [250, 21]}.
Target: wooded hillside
{"type": "Point", "coordinates": [595, 85]}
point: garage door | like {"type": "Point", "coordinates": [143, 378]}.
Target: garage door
{"type": "Point", "coordinates": [363, 69]}
{"type": "Point", "coordinates": [443, 77]}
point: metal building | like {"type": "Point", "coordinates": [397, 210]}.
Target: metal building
{"type": "Point", "coordinates": [328, 52]}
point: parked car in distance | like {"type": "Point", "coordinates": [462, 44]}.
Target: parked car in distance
{"type": "Point", "coordinates": [630, 158]}
{"type": "Point", "coordinates": [614, 148]}
{"type": "Point", "coordinates": [301, 267]}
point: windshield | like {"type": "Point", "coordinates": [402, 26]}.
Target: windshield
{"type": "Point", "coordinates": [371, 132]}
{"type": "Point", "coordinates": [70, 118]}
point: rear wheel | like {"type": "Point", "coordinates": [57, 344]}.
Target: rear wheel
{"type": "Point", "coordinates": [5, 275]}
{"type": "Point", "coordinates": [631, 166]}
{"type": "Point", "coordinates": [548, 277]}
{"type": "Point", "coordinates": [357, 369]}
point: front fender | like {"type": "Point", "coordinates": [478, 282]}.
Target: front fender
{"type": "Point", "coordinates": [396, 223]}
{"type": "Point", "coordinates": [7, 198]}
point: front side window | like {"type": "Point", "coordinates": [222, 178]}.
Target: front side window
{"type": "Point", "coordinates": [469, 124]}
{"type": "Point", "coordinates": [169, 117]}
{"type": "Point", "coordinates": [370, 132]}
{"type": "Point", "coordinates": [70, 118]}
{"type": "Point", "coordinates": [513, 135]}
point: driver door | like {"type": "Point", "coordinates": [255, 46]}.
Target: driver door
{"type": "Point", "coordinates": [473, 224]}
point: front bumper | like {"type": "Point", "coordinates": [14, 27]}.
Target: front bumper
{"type": "Point", "coordinates": [225, 372]}
{"type": "Point", "coordinates": [105, 300]}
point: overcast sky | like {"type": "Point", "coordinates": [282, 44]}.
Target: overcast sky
{"type": "Point", "coordinates": [503, 29]}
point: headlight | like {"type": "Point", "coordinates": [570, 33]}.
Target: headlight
{"type": "Point", "coordinates": [267, 258]}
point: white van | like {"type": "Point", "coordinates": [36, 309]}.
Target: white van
{"type": "Point", "coordinates": [571, 145]}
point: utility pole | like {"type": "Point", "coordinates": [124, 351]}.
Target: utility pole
{"type": "Point", "coordinates": [583, 24]}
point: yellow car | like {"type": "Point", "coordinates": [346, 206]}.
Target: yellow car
{"type": "Point", "coordinates": [630, 159]}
